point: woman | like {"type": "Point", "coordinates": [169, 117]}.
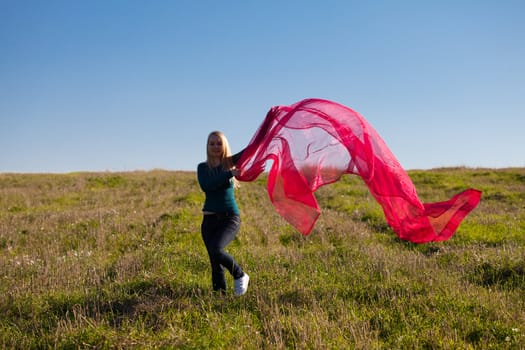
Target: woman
{"type": "Point", "coordinates": [221, 220]}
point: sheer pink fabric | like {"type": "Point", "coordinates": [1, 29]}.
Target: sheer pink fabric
{"type": "Point", "coordinates": [314, 142]}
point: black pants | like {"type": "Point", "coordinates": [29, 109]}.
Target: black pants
{"type": "Point", "coordinates": [217, 232]}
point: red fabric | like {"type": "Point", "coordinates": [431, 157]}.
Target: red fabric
{"type": "Point", "coordinates": [314, 142]}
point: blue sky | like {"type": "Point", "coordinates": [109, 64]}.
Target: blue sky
{"type": "Point", "coordinates": [108, 85]}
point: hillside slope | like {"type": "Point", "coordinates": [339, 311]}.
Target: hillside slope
{"type": "Point", "coordinates": [115, 260]}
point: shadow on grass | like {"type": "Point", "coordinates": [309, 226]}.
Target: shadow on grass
{"type": "Point", "coordinates": [500, 275]}
{"type": "Point", "coordinates": [140, 299]}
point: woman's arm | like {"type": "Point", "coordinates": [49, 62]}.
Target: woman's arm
{"type": "Point", "coordinates": [235, 158]}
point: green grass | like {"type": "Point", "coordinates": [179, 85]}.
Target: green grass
{"type": "Point", "coordinates": [115, 260]}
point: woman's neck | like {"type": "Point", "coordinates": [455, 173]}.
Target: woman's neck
{"type": "Point", "coordinates": [215, 162]}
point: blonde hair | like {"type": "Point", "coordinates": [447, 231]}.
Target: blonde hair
{"type": "Point", "coordinates": [226, 159]}
{"type": "Point", "coordinates": [226, 152]}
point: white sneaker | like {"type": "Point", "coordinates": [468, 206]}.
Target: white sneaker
{"type": "Point", "coordinates": [241, 284]}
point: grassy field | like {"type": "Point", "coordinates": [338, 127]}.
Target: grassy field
{"type": "Point", "coordinates": [115, 260]}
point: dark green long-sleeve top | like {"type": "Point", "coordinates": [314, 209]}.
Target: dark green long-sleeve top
{"type": "Point", "coordinates": [218, 188]}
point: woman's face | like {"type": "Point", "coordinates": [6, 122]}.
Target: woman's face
{"type": "Point", "coordinates": [215, 147]}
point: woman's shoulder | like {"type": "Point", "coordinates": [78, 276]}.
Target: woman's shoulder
{"type": "Point", "coordinates": [202, 165]}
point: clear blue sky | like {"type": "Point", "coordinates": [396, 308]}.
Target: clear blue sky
{"type": "Point", "coordinates": [108, 85]}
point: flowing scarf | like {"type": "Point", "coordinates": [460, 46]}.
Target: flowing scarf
{"type": "Point", "coordinates": [314, 142]}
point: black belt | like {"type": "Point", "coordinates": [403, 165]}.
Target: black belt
{"type": "Point", "coordinates": [222, 215]}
